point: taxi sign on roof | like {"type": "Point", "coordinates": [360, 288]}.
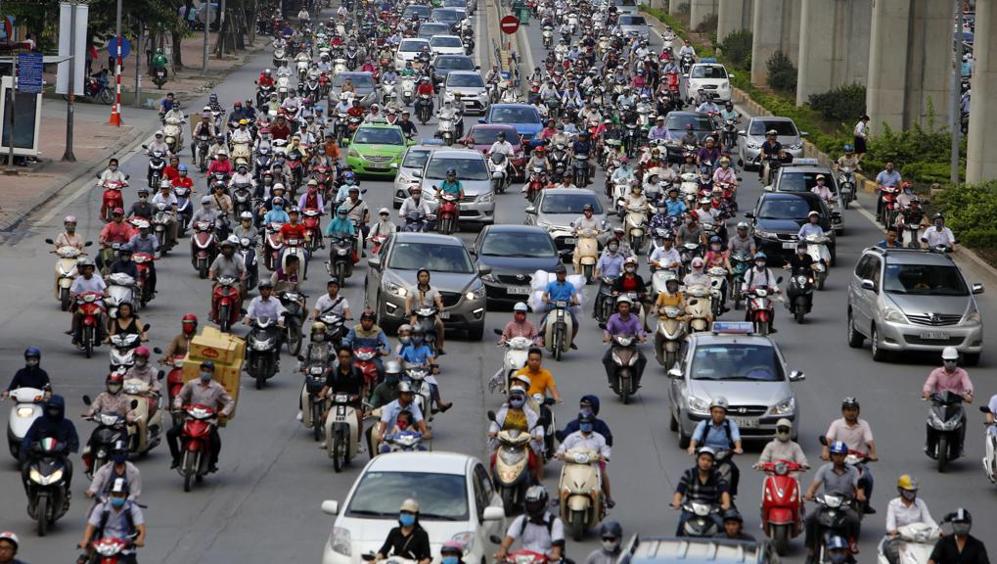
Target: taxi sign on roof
{"type": "Point", "coordinates": [708, 60]}
{"type": "Point", "coordinates": [732, 328]}
{"type": "Point", "coordinates": [430, 141]}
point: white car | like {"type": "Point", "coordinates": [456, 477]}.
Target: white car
{"type": "Point", "coordinates": [456, 501]}
{"type": "Point", "coordinates": [446, 45]}
{"type": "Point", "coordinates": [711, 77]}
{"type": "Point", "coordinates": [408, 49]}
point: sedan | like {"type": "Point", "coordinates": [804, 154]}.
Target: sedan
{"type": "Point", "coordinates": [632, 24]}
{"type": "Point", "coordinates": [478, 205]}
{"type": "Point", "coordinates": [443, 65]}
{"type": "Point", "coordinates": [557, 209]}
{"type": "Point", "coordinates": [750, 139]}
{"type": "Point", "coordinates": [413, 161]}
{"type": "Point", "coordinates": [392, 273]}
{"type": "Point", "coordinates": [677, 123]}
{"type": "Point", "coordinates": [777, 219]}
{"type": "Point", "coordinates": [481, 137]}
{"type": "Point", "coordinates": [376, 150]}
{"type": "Point", "coordinates": [524, 117]}
{"type": "Point", "coordinates": [470, 86]}
{"type": "Point", "coordinates": [456, 502]}
{"type": "Point", "coordinates": [416, 10]}
{"type": "Point", "coordinates": [446, 45]}
{"type": "Point", "coordinates": [801, 176]}
{"type": "Point", "coordinates": [514, 253]}
{"type": "Point", "coordinates": [428, 30]}
{"type": "Point", "coordinates": [449, 16]}
{"type": "Point", "coordinates": [408, 50]}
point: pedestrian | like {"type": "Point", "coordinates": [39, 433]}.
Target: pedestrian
{"type": "Point", "coordinates": [860, 132]}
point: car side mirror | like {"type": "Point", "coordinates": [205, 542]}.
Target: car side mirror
{"type": "Point", "coordinates": [482, 120]}
{"type": "Point", "coordinates": [731, 76]}
{"type": "Point", "coordinates": [868, 285]}
{"type": "Point", "coordinates": [804, 134]}
{"type": "Point", "coordinates": [977, 288]}
{"type": "Point", "coordinates": [330, 506]}
{"type": "Point", "coordinates": [532, 210]}
{"type": "Point", "coordinates": [742, 133]}
{"type": "Point", "coordinates": [493, 514]}
{"type": "Point", "coordinates": [417, 174]}
{"type": "Point", "coordinates": [778, 280]}
{"type": "Point", "coordinates": [346, 142]}
{"type": "Point", "coordinates": [796, 376]}
{"type": "Point", "coordinates": [87, 401]}
{"type": "Point", "coordinates": [484, 269]}
{"type": "Point", "coordinates": [675, 373]}
{"type": "Point", "coordinates": [374, 262]}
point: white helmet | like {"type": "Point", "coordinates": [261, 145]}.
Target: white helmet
{"type": "Point", "coordinates": [520, 306]}
{"type": "Point", "coordinates": [720, 402]}
{"type": "Point", "coordinates": [950, 353]}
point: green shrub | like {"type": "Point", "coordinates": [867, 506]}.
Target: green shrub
{"type": "Point", "coordinates": [782, 73]}
{"type": "Point", "coordinates": [969, 211]}
{"type": "Point", "coordinates": [843, 103]}
{"type": "Point", "coordinates": [708, 25]}
{"type": "Point", "coordinates": [736, 47]}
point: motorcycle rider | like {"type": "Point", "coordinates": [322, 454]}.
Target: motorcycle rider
{"type": "Point", "coordinates": [960, 546]}
{"type": "Point", "coordinates": [822, 190]}
{"type": "Point", "coordinates": [332, 302]}
{"type": "Point", "coordinates": [691, 231]}
{"type": "Point", "coordinates": [560, 290]}
{"type": "Point", "coordinates": [611, 534]}
{"type": "Point", "coordinates": [902, 511]}
{"type": "Point", "coordinates": [344, 378]}
{"type": "Point", "coordinates": [950, 377]}
{"type": "Point", "coordinates": [770, 150]}
{"type": "Point", "coordinates": [659, 131]}
{"type": "Point", "coordinates": [31, 376]}
{"type": "Point", "coordinates": [938, 235]}
{"type": "Point", "coordinates": [142, 371]}
{"type": "Point", "coordinates": [384, 225]}
{"type": "Point", "coordinates": [783, 447]}
{"type": "Point", "coordinates": [812, 227]}
{"type": "Point", "coordinates": [117, 467]}
{"type": "Point", "coordinates": [719, 432]}
{"type": "Point", "coordinates": [204, 127]}
{"type": "Point", "coordinates": [697, 275]}
{"type": "Point", "coordinates": [586, 438]}
{"type": "Point", "coordinates": [516, 414]}
{"type": "Point", "coordinates": [204, 391]}
{"type": "Point", "coordinates": [741, 241]}
{"type": "Point", "coordinates": [623, 323]}
{"type": "Point", "coordinates": [537, 529]}
{"type": "Point", "coordinates": [889, 177]}
{"type": "Point", "coordinates": [841, 479]}
{"type": "Point", "coordinates": [424, 295]}
{"type": "Point", "coordinates": [265, 305]}
{"type": "Point", "coordinates": [675, 207]}
{"type": "Point", "coordinates": [181, 342]}
{"type": "Point", "coordinates": [801, 263]}
{"type": "Point", "coordinates": [142, 208]}
{"type": "Point", "coordinates": [417, 352]}
{"type": "Point", "coordinates": [760, 276]}
{"type": "Point", "coordinates": [228, 264]}
{"type": "Point", "coordinates": [857, 436]}
{"type": "Point", "coordinates": [112, 173]}
{"type": "Point", "coordinates": [408, 126]}
{"type": "Point", "coordinates": [848, 160]}
{"type": "Point", "coordinates": [409, 540]}
{"type": "Point", "coordinates": [611, 260]}
{"type": "Point", "coordinates": [117, 517]}
{"type": "Point", "coordinates": [734, 527]}
{"type": "Point", "coordinates": [158, 144]}
{"type": "Point", "coordinates": [368, 334]}
{"type": "Point", "coordinates": [539, 159]}
{"type": "Point", "coordinates": [701, 483]}
{"type": "Point", "coordinates": [87, 281]}
{"type": "Point", "coordinates": [387, 391]}
{"type": "Point", "coordinates": [588, 405]}
{"type": "Point", "coordinates": [519, 326]}
{"type": "Point", "coordinates": [541, 380]}
{"type": "Point", "coordinates": [69, 237]}
{"type": "Point", "coordinates": [671, 297]}
{"type": "Point", "coordinates": [52, 424]}
{"type": "Point", "coordinates": [451, 185]}
{"type": "Point", "coordinates": [245, 229]}
{"type": "Point", "coordinates": [724, 174]}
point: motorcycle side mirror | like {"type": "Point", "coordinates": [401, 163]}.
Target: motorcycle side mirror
{"type": "Point", "coordinates": [675, 373]}
{"type": "Point", "coordinates": [491, 415]}
{"type": "Point", "coordinates": [88, 244]}
{"type": "Point", "coordinates": [146, 327]}
{"type": "Point", "coordinates": [749, 215]}
{"type": "Point", "coordinates": [49, 241]}
{"type": "Point", "coordinates": [484, 269]}
{"type": "Point", "coordinates": [984, 409]}
{"type": "Point", "coordinates": [157, 350]}
{"type": "Point", "coordinates": [804, 134]}
{"type": "Point", "coordinates": [87, 401]}
{"type": "Point", "coordinates": [243, 311]}
{"type": "Point", "coordinates": [602, 326]}
{"type": "Point", "coordinates": [374, 262]}
{"type": "Point", "coordinates": [482, 120]}
{"type": "Point", "coordinates": [796, 376]}
{"type": "Point", "coordinates": [742, 132]}
{"type": "Point", "coordinates": [160, 375]}
{"type": "Point", "coordinates": [549, 401]}
{"type": "Point", "coordinates": [822, 440]}
{"type": "Point", "coordinates": [497, 331]}
{"type": "Point", "coordinates": [977, 288]}
{"type": "Point", "coordinates": [134, 404]}
{"type": "Point", "coordinates": [531, 210]}
{"type": "Point", "coordinates": [778, 280]}
{"type": "Point", "coordinates": [495, 539]}
{"type": "Point", "coordinates": [301, 358]}
{"type": "Point", "coordinates": [144, 146]}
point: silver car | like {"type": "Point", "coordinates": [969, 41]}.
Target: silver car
{"type": "Point", "coordinates": [392, 275]}
{"type": "Point", "coordinates": [633, 24]}
{"type": "Point", "coordinates": [413, 162]}
{"type": "Point", "coordinates": [750, 139]}
{"type": "Point", "coordinates": [471, 88]}
{"type": "Point", "coordinates": [913, 300]}
{"type": "Point", "coordinates": [478, 205]}
{"type": "Point", "coordinates": [748, 370]}
{"type": "Point", "coordinates": [555, 210]}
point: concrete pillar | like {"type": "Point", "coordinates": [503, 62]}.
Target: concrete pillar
{"type": "Point", "coordinates": [699, 10]}
{"type": "Point", "coordinates": [835, 46]}
{"type": "Point", "coordinates": [673, 6]}
{"type": "Point", "coordinates": [775, 27]}
{"type": "Point", "coordinates": [910, 47]}
{"type": "Point", "coordinates": [981, 162]}
{"type": "Point", "coordinates": [732, 15]}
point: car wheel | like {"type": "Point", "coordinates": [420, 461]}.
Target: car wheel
{"type": "Point", "coordinates": [476, 333]}
{"type": "Point", "coordinates": [878, 354]}
{"type": "Point", "coordinates": [855, 339]}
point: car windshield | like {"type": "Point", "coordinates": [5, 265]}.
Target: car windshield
{"type": "Point", "coordinates": [454, 3]}
{"type": "Point", "coordinates": [708, 71]}
{"type": "Point", "coordinates": [461, 80]}
{"type": "Point", "coordinates": [358, 80]}
{"type": "Point", "coordinates": [414, 9]}
{"type": "Point", "coordinates": [446, 15]}
{"type": "Point", "coordinates": [786, 208]}
{"type": "Point", "coordinates": [731, 361]}
{"type": "Point", "coordinates": [680, 121]}
{"type": "Point", "coordinates": [781, 127]}
{"type": "Point", "coordinates": [415, 159]}
{"type": "Point", "coordinates": [411, 45]}
{"type": "Point", "coordinates": [441, 497]}
{"type": "Point", "coordinates": [569, 203]}
{"type": "Point", "coordinates": [488, 135]}
{"type": "Point", "coordinates": [453, 63]}
{"type": "Point", "coordinates": [516, 244]}
{"type": "Point", "coordinates": [514, 114]}
{"type": "Point", "coordinates": [432, 28]}
{"type": "Point", "coordinates": [408, 255]}
{"type": "Point", "coordinates": [379, 136]}
{"type": "Point", "coordinates": [445, 41]}
{"type": "Point", "coordinates": [924, 279]}
{"type": "Point", "coordinates": [803, 181]}
{"type": "Point", "coordinates": [467, 169]}
{"type": "Point", "coordinates": [632, 20]}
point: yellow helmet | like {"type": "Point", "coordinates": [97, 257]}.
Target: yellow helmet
{"type": "Point", "coordinates": [905, 482]}
{"type": "Point", "coordinates": [318, 327]}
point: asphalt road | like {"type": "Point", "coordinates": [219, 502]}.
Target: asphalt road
{"type": "Point", "coordinates": [263, 505]}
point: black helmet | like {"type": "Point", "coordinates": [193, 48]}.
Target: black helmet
{"type": "Point", "coordinates": [733, 515]}
{"type": "Point", "coordinates": [849, 402]}
{"type": "Point", "coordinates": [536, 501]}
{"type": "Point", "coordinates": [611, 529]}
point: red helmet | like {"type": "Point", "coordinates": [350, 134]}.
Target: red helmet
{"type": "Point", "coordinates": [189, 323]}
{"type": "Point", "coordinates": [116, 377]}
{"type": "Point", "coordinates": [142, 351]}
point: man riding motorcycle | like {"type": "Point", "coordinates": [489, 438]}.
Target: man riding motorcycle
{"type": "Point", "coordinates": [719, 432]}
{"type": "Point", "coordinates": [701, 483]}
{"type": "Point", "coordinates": [856, 434]}
{"type": "Point", "coordinates": [906, 509]}
{"type": "Point", "coordinates": [840, 479]}
{"type": "Point", "coordinates": [203, 391]}
{"type": "Point", "coordinates": [537, 529]}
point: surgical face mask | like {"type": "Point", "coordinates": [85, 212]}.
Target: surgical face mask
{"type": "Point", "coordinates": [586, 411]}
{"type": "Point", "coordinates": [318, 337]}
{"type": "Point", "coordinates": [909, 495]}
{"type": "Point", "coordinates": [118, 502]}
{"type": "Point", "coordinates": [961, 528]}
{"type": "Point", "coordinates": [585, 427]}
{"type": "Point", "coordinates": [406, 519]}
{"type": "Point", "coordinates": [610, 545]}
{"type": "Point", "coordinates": [205, 377]}
{"type": "Point", "coordinates": [113, 168]}
{"type": "Point", "coordinates": [759, 265]}
{"type": "Point", "coordinates": [449, 559]}
{"type": "Point", "coordinates": [52, 413]}
{"type": "Point", "coordinates": [404, 339]}
{"type": "Point", "coordinates": [516, 402]}
{"type": "Point", "coordinates": [391, 379]}
{"type": "Point", "coordinates": [139, 361]}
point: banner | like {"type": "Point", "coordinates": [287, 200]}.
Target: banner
{"type": "Point", "coordinates": [65, 32]}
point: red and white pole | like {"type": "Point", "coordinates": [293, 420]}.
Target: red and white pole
{"type": "Point", "coordinates": [116, 108]}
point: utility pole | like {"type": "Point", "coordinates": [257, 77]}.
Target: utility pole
{"type": "Point", "coordinates": [206, 12]}
{"type": "Point", "coordinates": [955, 107]}
{"type": "Point", "coordinates": [11, 170]}
{"type": "Point", "coordinates": [68, 155]}
{"type": "Point", "coordinates": [138, 67]}
{"type": "Point", "coordinates": [119, 64]}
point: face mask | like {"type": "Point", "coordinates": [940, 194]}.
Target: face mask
{"type": "Point", "coordinates": [449, 560]}
{"type": "Point", "coordinates": [140, 362]}
{"type": "Point", "coordinates": [716, 248]}
{"type": "Point", "coordinates": [610, 545]}
{"type": "Point", "coordinates": [205, 377]}
{"type": "Point", "coordinates": [404, 340]}
{"type": "Point", "coordinates": [406, 519]}
{"type": "Point", "coordinates": [586, 411]}
{"type": "Point", "coordinates": [118, 502]}
{"type": "Point", "coordinates": [318, 337]}
{"type": "Point", "coordinates": [909, 495]}
{"type": "Point", "coordinates": [631, 269]}
{"type": "Point", "coordinates": [949, 365]}
{"type": "Point", "coordinates": [516, 402]}
{"type": "Point", "coordinates": [391, 379]}
{"type": "Point", "coordinates": [114, 388]}
{"type": "Point", "coordinates": [53, 413]}
{"type": "Point", "coordinates": [759, 265]}
{"type": "Point", "coordinates": [961, 528]}
{"type": "Point", "coordinates": [585, 427]}
{"type": "Point", "coordinates": [113, 168]}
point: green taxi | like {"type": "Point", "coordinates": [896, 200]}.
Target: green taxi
{"type": "Point", "coordinates": [376, 149]}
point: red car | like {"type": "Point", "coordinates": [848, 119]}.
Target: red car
{"type": "Point", "coordinates": [482, 135]}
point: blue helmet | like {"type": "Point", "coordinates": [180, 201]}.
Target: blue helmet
{"type": "Point", "coordinates": [182, 168]}
{"type": "Point", "coordinates": [838, 447]}
{"type": "Point", "coordinates": [32, 352]}
{"type": "Point", "coordinates": [849, 148]}
{"type": "Point", "coordinates": [836, 543]}
{"type": "Point", "coordinates": [761, 256]}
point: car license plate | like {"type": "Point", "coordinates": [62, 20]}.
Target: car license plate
{"type": "Point", "coordinates": [570, 240]}
{"type": "Point", "coordinates": [745, 422]}
{"type": "Point", "coordinates": [933, 336]}
{"type": "Point", "coordinates": [444, 315]}
{"type": "Point", "coordinates": [518, 290]}
{"type": "Point", "coordinates": [791, 245]}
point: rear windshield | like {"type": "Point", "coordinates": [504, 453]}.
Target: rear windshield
{"type": "Point", "coordinates": [487, 136]}
{"type": "Point", "coordinates": [803, 181]}
{"type": "Point", "coordinates": [699, 123]}
{"type": "Point", "coordinates": [454, 63]}
{"type": "Point", "coordinates": [411, 45]}
{"type": "Point", "coordinates": [358, 80]}
{"type": "Point", "coordinates": [759, 127]}
{"type": "Point", "coordinates": [445, 41]}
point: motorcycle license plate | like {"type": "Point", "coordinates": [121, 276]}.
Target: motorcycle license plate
{"type": "Point", "coordinates": [519, 290]}
{"type": "Point", "coordinates": [444, 315]}
{"type": "Point", "coordinates": [570, 240]}
{"type": "Point", "coordinates": [745, 422]}
{"type": "Point", "coordinates": [933, 336]}
{"type": "Point", "coordinates": [789, 246]}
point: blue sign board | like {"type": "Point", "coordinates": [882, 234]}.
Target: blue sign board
{"type": "Point", "coordinates": [112, 47]}
{"type": "Point", "coordinates": [29, 73]}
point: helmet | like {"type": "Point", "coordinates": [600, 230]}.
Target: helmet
{"type": "Point", "coordinates": [115, 377]}
{"type": "Point", "coordinates": [950, 353]}
{"type": "Point", "coordinates": [10, 537]}
{"type": "Point", "coordinates": [205, 200]}
{"type": "Point", "coordinates": [367, 314]}
{"type": "Point", "coordinates": [849, 402]}
{"type": "Point", "coordinates": [697, 262]}
{"type": "Point", "coordinates": [404, 388]}
{"type": "Point", "coordinates": [560, 268]}
{"type": "Point", "coordinates": [452, 547]}
{"type": "Point", "coordinates": [624, 300]}
{"type": "Point", "coordinates": [706, 450]}
{"type": "Point", "coordinates": [142, 351]}
{"type": "Point", "coordinates": [392, 367]}
{"type": "Point", "coordinates": [761, 256]}
{"type": "Point", "coordinates": [611, 529]}
{"type": "Point", "coordinates": [536, 500]}
{"type": "Point", "coordinates": [246, 215]}
{"type": "Point", "coordinates": [959, 516]}
{"type": "Point", "coordinates": [410, 505]}
{"type": "Point", "coordinates": [836, 543]}
{"type": "Point", "coordinates": [733, 515]}
{"type": "Point", "coordinates": [189, 318]}
{"type": "Point", "coordinates": [32, 352]}
{"type": "Point", "coordinates": [229, 242]}
{"type": "Point", "coordinates": [630, 260]}
{"type": "Point", "coordinates": [715, 239]}
{"type": "Point", "coordinates": [85, 261]}
{"type": "Point", "coordinates": [849, 148]}
{"type": "Point", "coordinates": [720, 402]}
{"type": "Point", "coordinates": [265, 284]}
{"type": "Point", "coordinates": [905, 482]}
{"type": "Point", "coordinates": [813, 213]}
{"type": "Point", "coordinates": [318, 327]}
{"type": "Point", "coordinates": [451, 171]}
{"type": "Point", "coordinates": [520, 306]}
{"type": "Point", "coordinates": [70, 219]}
{"type": "Point", "coordinates": [523, 379]}
{"type": "Point", "coordinates": [182, 168]}
{"type": "Point", "coordinates": [838, 447]}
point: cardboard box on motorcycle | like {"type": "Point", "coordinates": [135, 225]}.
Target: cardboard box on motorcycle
{"type": "Point", "coordinates": [213, 345]}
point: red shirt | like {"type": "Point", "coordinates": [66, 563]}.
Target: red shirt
{"type": "Point", "coordinates": [289, 231]}
{"type": "Point", "coordinates": [355, 111]}
{"type": "Point", "coordinates": [116, 233]}
{"type": "Point", "coordinates": [220, 166]}
{"type": "Point", "coordinates": [629, 283]}
{"type": "Point", "coordinates": [185, 181]}
{"type": "Point", "coordinates": [424, 88]}
{"type": "Point", "coordinates": [265, 80]}
{"type": "Point", "coordinates": [278, 131]}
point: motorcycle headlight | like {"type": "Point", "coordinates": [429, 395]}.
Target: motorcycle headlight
{"type": "Point", "coordinates": [784, 407]}
{"type": "Point", "coordinates": [698, 405]}
{"type": "Point", "coordinates": [973, 315]}
{"type": "Point", "coordinates": [396, 289]}
{"type": "Point", "coordinates": [261, 345]}
{"type": "Point", "coordinates": [340, 541]}
{"type": "Point", "coordinates": [894, 315]}
{"type": "Point", "coordinates": [25, 411]}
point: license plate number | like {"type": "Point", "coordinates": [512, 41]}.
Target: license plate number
{"type": "Point", "coordinates": [745, 422]}
{"type": "Point", "coordinates": [570, 240]}
{"type": "Point", "coordinates": [519, 290]}
{"type": "Point", "coordinates": [791, 246]}
{"type": "Point", "coordinates": [444, 315]}
{"type": "Point", "coordinates": [933, 335]}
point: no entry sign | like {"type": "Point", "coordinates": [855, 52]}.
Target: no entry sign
{"type": "Point", "coordinates": [509, 24]}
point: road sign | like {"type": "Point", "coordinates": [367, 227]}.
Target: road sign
{"type": "Point", "coordinates": [509, 25]}
{"type": "Point", "coordinates": [29, 73]}
{"type": "Point", "coordinates": [112, 47]}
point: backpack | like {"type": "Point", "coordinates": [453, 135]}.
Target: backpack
{"type": "Point", "coordinates": [106, 514]}
{"type": "Point", "coordinates": [702, 437]}
{"type": "Point", "coordinates": [548, 520]}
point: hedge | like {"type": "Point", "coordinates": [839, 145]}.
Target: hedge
{"type": "Point", "coordinates": [970, 210]}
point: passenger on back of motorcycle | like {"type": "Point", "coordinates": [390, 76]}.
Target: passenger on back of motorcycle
{"type": "Point", "coordinates": [424, 295]}
{"type": "Point", "coordinates": [716, 257]}
{"type": "Point", "coordinates": [701, 483]}
{"type": "Point", "coordinates": [391, 411]}
{"type": "Point", "coordinates": [840, 479]}
{"type": "Point", "coordinates": [560, 290]}
{"type": "Point", "coordinates": [857, 436]}
{"type": "Point", "coordinates": [719, 432]}
{"type": "Point", "coordinates": [904, 510]}
{"type": "Point", "coordinates": [519, 326]}
{"type": "Point", "coordinates": [158, 144]}
{"type": "Point", "coordinates": [691, 231]}
{"type": "Point", "coordinates": [515, 414]}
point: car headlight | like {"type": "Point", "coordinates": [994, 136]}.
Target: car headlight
{"type": "Point", "coordinates": [698, 405]}
{"type": "Point", "coordinates": [893, 315]}
{"type": "Point", "coordinates": [753, 145]}
{"type": "Point", "coordinates": [354, 153]}
{"type": "Point", "coordinates": [490, 278]}
{"type": "Point", "coordinates": [765, 234]}
{"type": "Point", "coordinates": [784, 407]}
{"type": "Point", "coordinates": [477, 293]}
{"type": "Point", "coordinates": [466, 539]}
{"type": "Point", "coordinates": [396, 289]}
{"type": "Point", "coordinates": [486, 198]}
{"type": "Point", "coordinates": [973, 315]}
{"type": "Point", "coordinates": [340, 541]}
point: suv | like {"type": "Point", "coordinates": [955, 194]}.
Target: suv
{"type": "Point", "coordinates": [801, 176]}
{"type": "Point", "coordinates": [749, 370]}
{"type": "Point", "coordinates": [478, 205]}
{"type": "Point", "coordinates": [691, 550]}
{"type": "Point", "coordinates": [750, 139]}
{"type": "Point", "coordinates": [913, 300]}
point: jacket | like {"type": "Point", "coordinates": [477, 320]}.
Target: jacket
{"type": "Point", "coordinates": [58, 427]}
{"type": "Point", "coordinates": [599, 426]}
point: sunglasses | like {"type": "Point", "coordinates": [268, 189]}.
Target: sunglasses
{"type": "Point", "coordinates": [609, 539]}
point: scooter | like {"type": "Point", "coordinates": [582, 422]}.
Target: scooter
{"type": "Point", "coordinates": [139, 394]}
{"type": "Point", "coordinates": [740, 263]}
{"type": "Point", "coordinates": [782, 503]}
{"type": "Point", "coordinates": [341, 251]}
{"type": "Point", "coordinates": [559, 330]}
{"type": "Point", "coordinates": [516, 353]}
{"type": "Point", "coordinates": [699, 308]}
{"type": "Point", "coordinates": [831, 517]}
{"type": "Point", "coordinates": [226, 302]}
{"type": "Point", "coordinates": [295, 247]}
{"type": "Point", "coordinates": [672, 329]}
{"type": "Point", "coordinates": [800, 296]}
{"type": "Point", "coordinates": [111, 428]}
{"type": "Point", "coordinates": [625, 357]}
{"type": "Point", "coordinates": [586, 253]}
{"type": "Point", "coordinates": [580, 485]}
{"type": "Point", "coordinates": [445, 130]}
{"type": "Point", "coordinates": [636, 219]}
{"type": "Point", "coordinates": [990, 457]}
{"type": "Point", "coordinates": [90, 332]}
{"type": "Point", "coordinates": [203, 247]}
{"type": "Point", "coordinates": [605, 300]}
{"type": "Point", "coordinates": [498, 165]}
{"type": "Point", "coordinates": [123, 345]}
{"type": "Point", "coordinates": [424, 108]}
{"type": "Point", "coordinates": [174, 383]}
{"type": "Point", "coordinates": [157, 161]}
{"type": "Point", "coordinates": [111, 198]}
{"type": "Point", "coordinates": [760, 310]}
{"type": "Point", "coordinates": [247, 250]}
{"type": "Point", "coordinates": [195, 441]}
{"type": "Point", "coordinates": [919, 541]}
{"type": "Point", "coordinates": [313, 407]}
{"type": "Point", "coordinates": [263, 350]}
{"type": "Point", "coordinates": [402, 441]}
{"type": "Point", "coordinates": [415, 375]}
{"type": "Point", "coordinates": [447, 214]}
{"type": "Point", "coordinates": [718, 290]}
{"type": "Point", "coordinates": [313, 232]}
{"type": "Point", "coordinates": [702, 520]}
{"type": "Point", "coordinates": [46, 483]}
{"type": "Point", "coordinates": [846, 186]}
{"type": "Point", "coordinates": [65, 271]}
{"type": "Point", "coordinates": [510, 468]}
{"type": "Point", "coordinates": [293, 319]}
{"type": "Point", "coordinates": [581, 166]}
{"type": "Point", "coordinates": [272, 247]}
{"type": "Point", "coordinates": [28, 405]}
{"type": "Point", "coordinates": [173, 134]}
{"type": "Point", "coordinates": [342, 431]}
{"type": "Point", "coordinates": [945, 428]}
{"type": "Point", "coordinates": [363, 361]}
{"type": "Point", "coordinates": [143, 262]}
{"type": "Point", "coordinates": [817, 249]}
{"type": "Point", "coordinates": [108, 550]}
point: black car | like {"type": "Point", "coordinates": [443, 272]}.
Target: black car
{"type": "Point", "coordinates": [677, 124]}
{"type": "Point", "coordinates": [777, 219]}
{"type": "Point", "coordinates": [416, 10]}
{"type": "Point", "coordinates": [514, 253]}
{"type": "Point", "coordinates": [443, 64]}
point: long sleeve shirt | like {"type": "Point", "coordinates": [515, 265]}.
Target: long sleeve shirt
{"type": "Point", "coordinates": [941, 380]}
{"type": "Point", "coordinates": [103, 478]}
{"type": "Point", "coordinates": [631, 325]}
{"type": "Point", "coordinates": [776, 450]}
{"type": "Point", "coordinates": [899, 515]}
{"type": "Point", "coordinates": [211, 394]}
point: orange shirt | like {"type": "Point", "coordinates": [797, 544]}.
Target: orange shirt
{"type": "Point", "coordinates": [541, 381]}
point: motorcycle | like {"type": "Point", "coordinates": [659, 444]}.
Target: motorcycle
{"type": "Point", "coordinates": [538, 179]}
{"type": "Point", "coordinates": [294, 247]}
{"type": "Point", "coordinates": [605, 300]}
{"type": "Point", "coordinates": [447, 214]}
{"type": "Point", "coordinates": [226, 301]}
{"type": "Point", "coordinates": [636, 220]}
{"type": "Point", "coordinates": [718, 290]}
{"type": "Point", "coordinates": [582, 506]}
{"type": "Point", "coordinates": [424, 108]}
{"type": "Point", "coordinates": [740, 263]}
{"type": "Point", "coordinates": [403, 441]}
{"type": "Point", "coordinates": [140, 399]}
{"type": "Point", "coordinates": [201, 146]}
{"type": "Point", "coordinates": [510, 468]}
{"type": "Point", "coordinates": [195, 441]}
{"type": "Point", "coordinates": [586, 253]}
{"type": "Point", "coordinates": [89, 331]}
{"type": "Point", "coordinates": [498, 165]}
{"type": "Point", "coordinates": [28, 405]}
{"type": "Point", "coordinates": [363, 361]}
{"type": "Point", "coordinates": [109, 550]}
{"type": "Point", "coordinates": [184, 211]}
{"type": "Point", "coordinates": [831, 519]}
{"type": "Point", "coordinates": [294, 316]}
{"type": "Point", "coordinates": [945, 428]}
{"type": "Point", "coordinates": [446, 130]}
{"type": "Point", "coordinates": [625, 357]}
{"type": "Point", "coordinates": [161, 221]}
{"type": "Point", "coordinates": [699, 308]}
{"type": "Point", "coordinates": [157, 161]}
{"type": "Point", "coordinates": [65, 271]}
{"type": "Point", "coordinates": [516, 352]}
{"type": "Point", "coordinates": [263, 350]}
{"type": "Point", "coordinates": [341, 257]}
{"type": "Point", "coordinates": [416, 377]}
{"type": "Point", "coordinates": [203, 247]}
{"type": "Point", "coordinates": [581, 166]}
{"type": "Point", "coordinates": [702, 520]}
{"type": "Point", "coordinates": [760, 310]}
{"type": "Point", "coordinates": [559, 330]}
{"type": "Point", "coordinates": [990, 457]}
{"type": "Point", "coordinates": [800, 294]}
{"type": "Point", "coordinates": [782, 503]}
{"type": "Point", "coordinates": [668, 339]}
{"type": "Point", "coordinates": [817, 249]}
{"type": "Point", "coordinates": [143, 262]}
{"type": "Point", "coordinates": [918, 542]}
{"type": "Point", "coordinates": [111, 198]}
{"type": "Point", "coordinates": [846, 186]}
{"type": "Point", "coordinates": [313, 407]}
{"type": "Point", "coordinates": [272, 247]}
{"type": "Point", "coordinates": [247, 250]}
{"type": "Point", "coordinates": [111, 428]}
{"type": "Point", "coordinates": [342, 431]}
{"type": "Point", "coordinates": [313, 231]}
{"type": "Point", "coordinates": [173, 134]}
{"type": "Point", "coordinates": [123, 347]}
{"type": "Point", "coordinates": [685, 63]}
{"type": "Point", "coordinates": [408, 88]}
{"type": "Point", "coordinates": [548, 36]}
{"type": "Point", "coordinates": [890, 209]}
{"type": "Point", "coordinates": [46, 486]}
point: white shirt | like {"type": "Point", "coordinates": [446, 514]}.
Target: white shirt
{"type": "Point", "coordinates": [899, 515]}
{"type": "Point", "coordinates": [666, 257]}
{"type": "Point", "coordinates": [170, 200]}
{"type": "Point", "coordinates": [859, 130]}
{"type": "Point", "coordinates": [503, 147]}
{"type": "Point", "coordinates": [594, 441]}
{"type": "Point", "coordinates": [534, 536]}
{"type": "Point", "coordinates": [324, 303]}
{"type": "Point", "coordinates": [934, 237]}
{"type": "Point", "coordinates": [242, 136]}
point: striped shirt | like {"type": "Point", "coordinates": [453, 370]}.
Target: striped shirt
{"type": "Point", "coordinates": [695, 490]}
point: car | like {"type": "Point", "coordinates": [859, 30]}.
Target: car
{"type": "Point", "coordinates": [412, 11]}
{"type": "Point", "coordinates": [409, 49]}
{"type": "Point", "coordinates": [443, 65]}
{"type": "Point", "coordinates": [676, 123]}
{"type": "Point", "coordinates": [446, 45]}
{"type": "Point", "coordinates": [456, 502]}
{"type": "Point", "coordinates": [514, 253]}
{"type": "Point", "coordinates": [801, 176]}
{"type": "Point", "coordinates": [472, 89]}
{"type": "Point", "coordinates": [413, 161]}
{"type": "Point", "coordinates": [691, 550]}
{"type": "Point", "coordinates": [429, 30]}
{"type": "Point", "coordinates": [777, 218]}
{"type": "Point", "coordinates": [750, 139]}
{"type": "Point", "coordinates": [555, 210]}
{"type": "Point", "coordinates": [632, 24]}
{"type": "Point", "coordinates": [392, 273]}
{"type": "Point", "coordinates": [464, 4]}
{"type": "Point", "coordinates": [524, 117]}
{"type": "Point", "coordinates": [711, 77]}
{"type": "Point", "coordinates": [449, 16]}
{"type": "Point", "coordinates": [906, 300]}
{"type": "Point", "coordinates": [481, 137]}
{"type": "Point", "coordinates": [622, 6]}
{"type": "Point", "coordinates": [363, 85]}
{"type": "Point", "coordinates": [747, 369]}
{"type": "Point", "coordinates": [376, 149]}
{"type": "Point", "coordinates": [478, 205]}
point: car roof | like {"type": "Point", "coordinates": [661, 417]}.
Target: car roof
{"type": "Point", "coordinates": [706, 338]}
{"type": "Point", "coordinates": [445, 35]}
{"type": "Point", "coordinates": [434, 238]}
{"type": "Point", "coordinates": [684, 113]}
{"type": "Point", "coordinates": [353, 74]}
{"type": "Point", "coordinates": [772, 118]}
{"type": "Point", "coordinates": [452, 56]}
{"type": "Point", "coordinates": [911, 256]}
{"type": "Point", "coordinates": [456, 154]}
{"type": "Point", "coordinates": [790, 167]}
{"type": "Point", "coordinates": [513, 228]}
{"type": "Point", "coordinates": [789, 195]}
{"type": "Point", "coordinates": [436, 462]}
{"type": "Point", "coordinates": [569, 191]}
{"type": "Point", "coordinates": [513, 105]}
{"type": "Point", "coordinates": [424, 147]}
{"type": "Point", "coordinates": [695, 551]}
